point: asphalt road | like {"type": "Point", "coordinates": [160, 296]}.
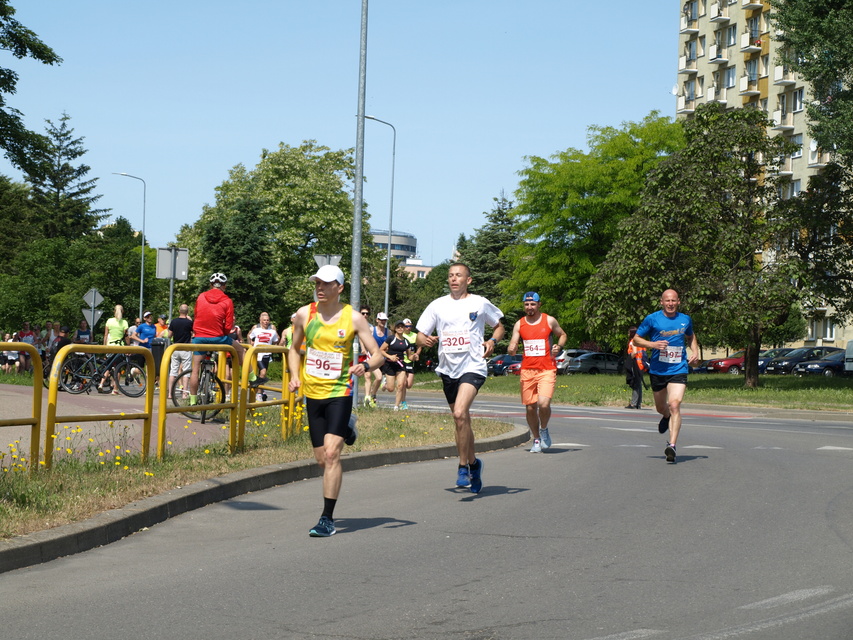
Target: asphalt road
{"type": "Point", "coordinates": [748, 536]}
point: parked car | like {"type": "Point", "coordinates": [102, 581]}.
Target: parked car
{"type": "Point", "coordinates": [566, 356]}
{"type": "Point", "coordinates": [595, 363]}
{"type": "Point", "coordinates": [497, 366]}
{"type": "Point", "coordinates": [831, 365]}
{"type": "Point", "coordinates": [732, 364]}
{"type": "Point", "coordinates": [514, 369]}
{"type": "Point", "coordinates": [766, 356]}
{"type": "Point", "coordinates": [785, 364]}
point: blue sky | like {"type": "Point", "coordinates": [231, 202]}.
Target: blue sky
{"type": "Point", "coordinates": [178, 93]}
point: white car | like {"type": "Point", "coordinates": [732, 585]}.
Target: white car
{"type": "Point", "coordinates": [566, 356]}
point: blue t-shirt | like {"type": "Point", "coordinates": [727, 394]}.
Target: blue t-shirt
{"type": "Point", "coordinates": [146, 330]}
{"type": "Point", "coordinates": [657, 326]}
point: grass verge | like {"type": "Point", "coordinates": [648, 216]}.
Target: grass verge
{"type": "Point", "coordinates": [90, 476]}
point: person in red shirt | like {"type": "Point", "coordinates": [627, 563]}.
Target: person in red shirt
{"type": "Point", "coordinates": [30, 337]}
{"type": "Point", "coordinates": [213, 322]}
{"type": "Point", "coordinates": [538, 367]}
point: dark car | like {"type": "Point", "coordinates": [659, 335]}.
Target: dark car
{"type": "Point", "coordinates": [831, 365]}
{"type": "Point", "coordinates": [497, 366]}
{"type": "Point", "coordinates": [595, 363]}
{"type": "Point", "coordinates": [766, 356]}
{"type": "Point", "coordinates": [785, 363]}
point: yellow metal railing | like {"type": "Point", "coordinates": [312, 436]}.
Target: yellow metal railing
{"type": "Point", "coordinates": [52, 418]}
{"type": "Point", "coordinates": [34, 421]}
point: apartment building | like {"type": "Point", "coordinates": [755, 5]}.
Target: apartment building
{"type": "Point", "coordinates": [728, 54]}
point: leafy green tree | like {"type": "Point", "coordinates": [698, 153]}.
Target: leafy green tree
{"type": "Point", "coordinates": [706, 215]}
{"type": "Point", "coordinates": [16, 220]}
{"type": "Point", "coordinates": [297, 203]}
{"type": "Point", "coordinates": [60, 190]}
{"type": "Point", "coordinates": [16, 140]}
{"type": "Point", "coordinates": [569, 208]}
{"type": "Point", "coordinates": [818, 39]}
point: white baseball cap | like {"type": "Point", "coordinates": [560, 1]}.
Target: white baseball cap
{"type": "Point", "coordinates": [381, 316]}
{"type": "Point", "coordinates": [328, 273]}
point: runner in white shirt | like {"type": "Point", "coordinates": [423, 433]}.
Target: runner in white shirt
{"type": "Point", "coordinates": [263, 333]}
{"type": "Point", "coordinates": [460, 319]}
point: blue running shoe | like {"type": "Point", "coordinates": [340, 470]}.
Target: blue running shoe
{"type": "Point", "coordinates": [545, 438]}
{"type": "Point", "coordinates": [477, 477]}
{"type": "Point", "coordinates": [404, 405]}
{"type": "Point", "coordinates": [323, 529]}
{"type": "Point", "coordinates": [464, 478]}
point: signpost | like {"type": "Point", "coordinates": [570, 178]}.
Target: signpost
{"type": "Point", "coordinates": [172, 264]}
{"type": "Point", "coordinates": [93, 298]}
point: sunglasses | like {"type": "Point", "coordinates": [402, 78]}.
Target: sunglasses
{"type": "Point", "coordinates": [365, 313]}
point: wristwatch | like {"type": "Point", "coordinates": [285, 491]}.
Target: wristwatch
{"type": "Point", "coordinates": [366, 366]}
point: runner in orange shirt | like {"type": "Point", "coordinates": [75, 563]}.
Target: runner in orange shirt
{"type": "Point", "coordinates": [536, 330]}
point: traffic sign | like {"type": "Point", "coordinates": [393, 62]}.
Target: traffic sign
{"type": "Point", "coordinates": [92, 316]}
{"type": "Point", "coordinates": [93, 298]}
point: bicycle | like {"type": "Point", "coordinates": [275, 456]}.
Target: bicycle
{"type": "Point", "coordinates": [83, 371]}
{"type": "Point", "coordinates": [211, 390]}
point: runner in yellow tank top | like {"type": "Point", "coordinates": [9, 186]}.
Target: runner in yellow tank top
{"type": "Point", "coordinates": [327, 328]}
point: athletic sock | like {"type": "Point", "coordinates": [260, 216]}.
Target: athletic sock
{"type": "Point", "coordinates": [329, 507]}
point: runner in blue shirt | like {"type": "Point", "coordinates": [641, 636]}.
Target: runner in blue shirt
{"type": "Point", "coordinates": [667, 333]}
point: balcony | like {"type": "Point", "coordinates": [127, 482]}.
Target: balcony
{"type": "Point", "coordinates": [685, 105]}
{"type": "Point", "coordinates": [750, 42]}
{"type": "Point", "coordinates": [783, 167]}
{"type": "Point", "coordinates": [751, 4]}
{"type": "Point", "coordinates": [686, 65]}
{"type": "Point", "coordinates": [688, 25]}
{"type": "Point", "coordinates": [749, 86]}
{"type": "Point", "coordinates": [719, 11]}
{"type": "Point", "coordinates": [717, 94]}
{"type": "Point", "coordinates": [782, 76]}
{"type": "Point", "coordinates": [718, 54]}
{"type": "Point", "coordinates": [818, 159]}
{"type": "Point", "coordinates": [782, 121]}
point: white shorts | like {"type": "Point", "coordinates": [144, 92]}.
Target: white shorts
{"type": "Point", "coordinates": [181, 361]}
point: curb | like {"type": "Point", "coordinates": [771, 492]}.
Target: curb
{"type": "Point", "coordinates": [110, 526]}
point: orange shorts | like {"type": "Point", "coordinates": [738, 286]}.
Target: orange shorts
{"type": "Point", "coordinates": [537, 382]}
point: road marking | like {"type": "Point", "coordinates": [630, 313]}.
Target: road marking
{"type": "Point", "coordinates": [700, 446]}
{"type": "Point", "coordinates": [787, 598]}
{"type": "Point", "coordinates": [630, 429]}
{"type": "Point", "coordinates": [568, 444]}
{"type": "Point", "coordinates": [770, 448]}
{"type": "Point", "coordinates": [835, 449]}
{"type": "Point", "coordinates": [636, 446]}
{"type": "Point", "coordinates": [842, 602]}
{"type": "Point", "coordinates": [631, 635]}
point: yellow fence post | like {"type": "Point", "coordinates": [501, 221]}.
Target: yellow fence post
{"type": "Point", "coordinates": [34, 421]}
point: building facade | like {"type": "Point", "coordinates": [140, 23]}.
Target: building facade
{"type": "Point", "coordinates": [403, 245]}
{"type": "Point", "coordinates": [728, 54]}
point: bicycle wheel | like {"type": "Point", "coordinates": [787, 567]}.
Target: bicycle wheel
{"type": "Point", "coordinates": [130, 378]}
{"type": "Point", "coordinates": [76, 374]}
{"type": "Point", "coordinates": [210, 391]}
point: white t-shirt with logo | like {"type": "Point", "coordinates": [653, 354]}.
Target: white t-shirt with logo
{"type": "Point", "coordinates": [460, 326]}
{"type": "Point", "coordinates": [259, 335]}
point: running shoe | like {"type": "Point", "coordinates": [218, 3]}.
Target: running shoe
{"type": "Point", "coordinates": [371, 402]}
{"type": "Point", "coordinates": [350, 440]}
{"type": "Point", "coordinates": [663, 425]}
{"type": "Point", "coordinates": [404, 405]}
{"type": "Point", "coordinates": [477, 476]}
{"type": "Point", "coordinates": [396, 407]}
{"type": "Point", "coordinates": [669, 452]}
{"type": "Point", "coordinates": [259, 397]}
{"type": "Point", "coordinates": [463, 479]}
{"type": "Point", "coordinates": [323, 529]}
{"type": "Point", "coordinates": [537, 447]}
{"type": "Point", "coordinates": [545, 437]}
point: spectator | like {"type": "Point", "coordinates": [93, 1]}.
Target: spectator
{"type": "Point", "coordinates": [29, 337]}
{"type": "Point", "coordinates": [263, 333]}
{"type": "Point", "coordinates": [181, 330]}
{"type": "Point", "coordinates": [146, 332]}
{"type": "Point", "coordinates": [61, 340]}
{"type": "Point", "coordinates": [162, 327]}
{"type": "Point", "coordinates": [116, 327]}
{"type": "Point", "coordinates": [10, 358]}
{"type": "Point", "coordinates": [83, 335]}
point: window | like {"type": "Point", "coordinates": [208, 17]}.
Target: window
{"type": "Point", "coordinates": [795, 188]}
{"type": "Point", "coordinates": [730, 77]}
{"type": "Point", "coordinates": [690, 90]}
{"type": "Point", "coordinates": [752, 26]}
{"type": "Point", "coordinates": [691, 10]}
{"type": "Point", "coordinates": [797, 140]}
{"type": "Point", "coordinates": [763, 104]}
{"type": "Point", "coordinates": [421, 274]}
{"type": "Point", "coordinates": [828, 327]}
{"type": "Point", "coordinates": [752, 70]}
{"type": "Point", "coordinates": [797, 100]}
{"type": "Point", "coordinates": [701, 49]}
{"type": "Point", "coordinates": [731, 36]}
{"type": "Point", "coordinates": [783, 104]}
{"type": "Point", "coordinates": [690, 49]}
{"type": "Point", "coordinates": [764, 67]}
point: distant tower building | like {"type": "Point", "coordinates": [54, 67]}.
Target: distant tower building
{"type": "Point", "coordinates": [403, 245]}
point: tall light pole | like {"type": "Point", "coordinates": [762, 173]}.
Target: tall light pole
{"type": "Point", "coordinates": [391, 214]}
{"type": "Point", "coordinates": [142, 260]}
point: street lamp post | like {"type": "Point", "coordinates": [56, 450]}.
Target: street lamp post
{"type": "Point", "coordinates": [142, 260]}
{"type": "Point", "coordinates": [391, 213]}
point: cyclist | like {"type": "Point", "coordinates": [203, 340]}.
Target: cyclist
{"type": "Point", "coordinates": [213, 322]}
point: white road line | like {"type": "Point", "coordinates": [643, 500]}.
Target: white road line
{"type": "Point", "coordinates": [568, 444]}
{"type": "Point", "coordinates": [835, 449]}
{"type": "Point", "coordinates": [700, 446]}
{"type": "Point", "coordinates": [787, 598]}
{"type": "Point", "coordinates": [635, 446]}
{"type": "Point", "coordinates": [638, 430]}
{"type": "Point", "coordinates": [842, 602]}
{"type": "Point", "coordinates": [631, 635]}
{"type": "Point", "coordinates": [770, 448]}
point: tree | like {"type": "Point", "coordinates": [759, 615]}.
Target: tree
{"type": "Point", "coordinates": [60, 190]}
{"type": "Point", "coordinates": [16, 220]}
{"type": "Point", "coordinates": [818, 44]}
{"type": "Point", "coordinates": [16, 140]}
{"type": "Point", "coordinates": [569, 207]}
{"type": "Point", "coordinates": [705, 217]}
{"type": "Point", "coordinates": [297, 203]}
